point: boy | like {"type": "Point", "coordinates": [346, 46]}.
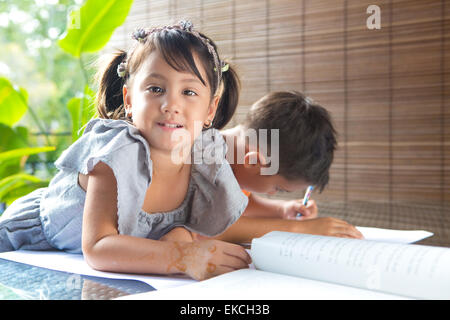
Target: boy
{"type": "Point", "coordinates": [289, 159]}
{"type": "Point", "coordinates": [306, 145]}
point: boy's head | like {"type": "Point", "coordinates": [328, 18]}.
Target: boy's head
{"type": "Point", "coordinates": [307, 138]}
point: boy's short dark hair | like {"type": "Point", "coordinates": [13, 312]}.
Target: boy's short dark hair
{"type": "Point", "coordinates": [307, 138]}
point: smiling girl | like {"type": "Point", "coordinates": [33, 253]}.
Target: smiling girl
{"type": "Point", "coordinates": [117, 193]}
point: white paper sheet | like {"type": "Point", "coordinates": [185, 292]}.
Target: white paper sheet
{"type": "Point", "coordinates": [74, 263]}
{"type": "Point", "coordinates": [390, 235]}
{"type": "Point", "coordinates": [251, 284]}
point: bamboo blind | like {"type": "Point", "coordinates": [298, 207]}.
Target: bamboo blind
{"type": "Point", "coordinates": [387, 90]}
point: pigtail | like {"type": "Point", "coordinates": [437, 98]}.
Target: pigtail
{"type": "Point", "coordinates": [109, 95]}
{"type": "Point", "coordinates": [229, 99]}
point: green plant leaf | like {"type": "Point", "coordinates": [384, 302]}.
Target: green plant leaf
{"type": "Point", "coordinates": [74, 106]}
{"type": "Point", "coordinates": [17, 185]}
{"type": "Point", "coordinates": [81, 111]}
{"type": "Point", "coordinates": [91, 27]}
{"type": "Point", "coordinates": [12, 138]}
{"type": "Point", "coordinates": [10, 167]}
{"type": "Point", "coordinates": [18, 153]}
{"type": "Point", "coordinates": [11, 161]}
{"type": "Point", "coordinates": [10, 182]}
{"type": "Point", "coordinates": [13, 102]}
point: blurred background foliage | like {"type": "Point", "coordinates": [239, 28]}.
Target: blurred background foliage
{"type": "Point", "coordinates": [47, 61]}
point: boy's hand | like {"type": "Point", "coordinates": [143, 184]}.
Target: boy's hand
{"type": "Point", "coordinates": [328, 226]}
{"type": "Point", "coordinates": [291, 208]}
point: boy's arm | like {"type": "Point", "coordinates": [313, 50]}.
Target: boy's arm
{"type": "Point", "coordinates": [247, 228]}
{"type": "Point", "coordinates": [263, 207]}
{"type": "Point", "coordinates": [271, 208]}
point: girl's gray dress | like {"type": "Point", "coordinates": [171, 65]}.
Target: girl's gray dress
{"type": "Point", "coordinates": [51, 218]}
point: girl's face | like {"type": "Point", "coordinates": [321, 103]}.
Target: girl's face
{"type": "Point", "coordinates": [166, 104]}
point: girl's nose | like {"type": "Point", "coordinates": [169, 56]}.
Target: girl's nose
{"type": "Point", "coordinates": [170, 105]}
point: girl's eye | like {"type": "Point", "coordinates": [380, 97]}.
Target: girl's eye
{"type": "Point", "coordinates": [155, 89]}
{"type": "Point", "coordinates": [189, 93]}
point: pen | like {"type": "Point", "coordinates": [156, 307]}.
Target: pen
{"type": "Point", "coordinates": [306, 198]}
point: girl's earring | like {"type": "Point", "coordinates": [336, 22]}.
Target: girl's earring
{"type": "Point", "coordinates": [208, 124]}
{"type": "Point", "coordinates": [128, 114]}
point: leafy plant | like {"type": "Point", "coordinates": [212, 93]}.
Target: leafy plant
{"type": "Point", "coordinates": [14, 148]}
{"type": "Point", "coordinates": [16, 99]}
{"type": "Point", "coordinates": [81, 111]}
{"type": "Point", "coordinates": [90, 29]}
{"type": "Point", "coordinates": [93, 24]}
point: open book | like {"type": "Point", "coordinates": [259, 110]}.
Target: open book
{"type": "Point", "coordinates": [407, 270]}
{"type": "Point", "coordinates": [302, 266]}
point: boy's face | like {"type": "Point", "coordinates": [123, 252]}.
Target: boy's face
{"type": "Point", "coordinates": [255, 182]}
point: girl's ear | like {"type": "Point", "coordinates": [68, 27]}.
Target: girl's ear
{"type": "Point", "coordinates": [254, 159]}
{"type": "Point", "coordinates": [126, 98]}
{"type": "Point", "coordinates": [213, 107]}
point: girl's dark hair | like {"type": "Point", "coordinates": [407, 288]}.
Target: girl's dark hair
{"type": "Point", "coordinates": [307, 138]}
{"type": "Point", "coordinates": [178, 47]}
{"type": "Point", "coordinates": [109, 94]}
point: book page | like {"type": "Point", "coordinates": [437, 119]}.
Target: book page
{"type": "Point", "coordinates": [410, 270]}
{"type": "Point", "coordinates": [391, 235]}
{"type": "Point", "coordinates": [387, 235]}
{"type": "Point", "coordinates": [250, 284]}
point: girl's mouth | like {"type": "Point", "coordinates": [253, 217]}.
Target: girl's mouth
{"type": "Point", "coordinates": [169, 126]}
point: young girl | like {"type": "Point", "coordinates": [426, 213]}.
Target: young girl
{"type": "Point", "coordinates": [118, 193]}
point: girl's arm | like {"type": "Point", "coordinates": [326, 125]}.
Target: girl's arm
{"type": "Point", "coordinates": [247, 228]}
{"type": "Point", "coordinates": [107, 250]}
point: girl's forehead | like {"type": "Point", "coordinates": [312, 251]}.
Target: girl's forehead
{"type": "Point", "coordinates": [156, 64]}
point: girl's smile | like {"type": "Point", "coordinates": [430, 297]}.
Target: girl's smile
{"type": "Point", "coordinates": [170, 126]}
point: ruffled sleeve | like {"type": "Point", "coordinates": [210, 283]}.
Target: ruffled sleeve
{"type": "Point", "coordinates": [120, 146]}
{"type": "Point", "coordinates": [218, 200]}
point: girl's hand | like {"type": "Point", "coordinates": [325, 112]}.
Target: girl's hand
{"type": "Point", "coordinates": [208, 258]}
{"type": "Point", "coordinates": [327, 227]}
{"type": "Point", "coordinates": [290, 209]}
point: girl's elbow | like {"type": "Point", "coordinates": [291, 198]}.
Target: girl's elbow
{"type": "Point", "coordinates": [97, 252]}
{"type": "Point", "coordinates": [93, 257]}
